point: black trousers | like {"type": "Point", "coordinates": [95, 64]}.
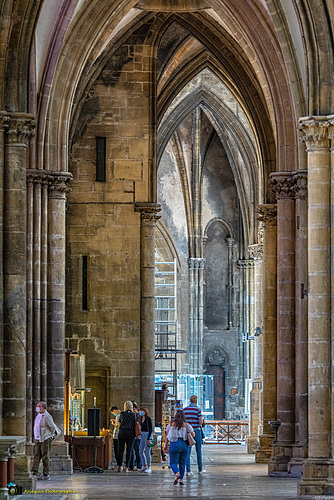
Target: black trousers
{"type": "Point", "coordinates": [125, 438]}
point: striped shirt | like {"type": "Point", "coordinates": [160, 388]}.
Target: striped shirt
{"type": "Point", "coordinates": [193, 414]}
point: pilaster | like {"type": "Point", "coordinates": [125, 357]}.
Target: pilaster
{"type": "Point", "coordinates": [318, 476]}
{"type": "Point", "coordinates": [148, 218]}
{"type": "Point", "coordinates": [268, 215]}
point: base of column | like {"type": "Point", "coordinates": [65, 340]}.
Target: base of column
{"type": "Point", "coordinates": [61, 462]}
{"type": "Point", "coordinates": [264, 450]}
{"type": "Point", "coordinates": [279, 461]}
{"type": "Point", "coordinates": [22, 474]}
{"type": "Point", "coordinates": [296, 464]}
{"type": "Point", "coordinates": [4, 494]}
{"type": "Point", "coordinates": [318, 480]}
{"type": "Point", "coordinates": [287, 460]}
{"type": "Point", "coordinates": [252, 443]}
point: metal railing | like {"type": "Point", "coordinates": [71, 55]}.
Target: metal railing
{"type": "Point", "coordinates": [226, 431]}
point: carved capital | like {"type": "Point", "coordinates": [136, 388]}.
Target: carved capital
{"type": "Point", "coordinates": [282, 184]}
{"type": "Point", "coordinates": [37, 176]}
{"type": "Point", "coordinates": [315, 129]}
{"type": "Point", "coordinates": [268, 214]}
{"type": "Point", "coordinates": [59, 184]}
{"type": "Point", "coordinates": [300, 186]}
{"type": "Point", "coordinates": [19, 127]}
{"type": "Point", "coordinates": [289, 184]}
{"type": "Point", "coordinates": [148, 212]}
{"type": "Point", "coordinates": [229, 241]}
{"type": "Point", "coordinates": [246, 264]}
{"type": "Point", "coordinates": [196, 263]}
{"type": "Point", "coordinates": [256, 251]}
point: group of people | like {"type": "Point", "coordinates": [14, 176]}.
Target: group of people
{"type": "Point", "coordinates": [186, 422]}
{"type": "Point", "coordinates": [132, 430]}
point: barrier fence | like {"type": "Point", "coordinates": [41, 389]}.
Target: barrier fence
{"type": "Point", "coordinates": [226, 431]}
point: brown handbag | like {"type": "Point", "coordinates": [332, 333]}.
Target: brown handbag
{"type": "Point", "coordinates": [137, 429]}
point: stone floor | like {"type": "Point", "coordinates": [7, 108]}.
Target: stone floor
{"type": "Point", "coordinates": [230, 474]}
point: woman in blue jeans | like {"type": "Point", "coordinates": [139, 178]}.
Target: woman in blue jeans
{"type": "Point", "coordinates": [177, 436]}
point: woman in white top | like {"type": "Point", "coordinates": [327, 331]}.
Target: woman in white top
{"type": "Point", "coordinates": [177, 435]}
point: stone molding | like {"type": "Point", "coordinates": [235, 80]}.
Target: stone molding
{"type": "Point", "coordinates": [287, 185]}
{"type": "Point", "coordinates": [196, 263]}
{"type": "Point", "coordinates": [148, 211]}
{"type": "Point", "coordinates": [246, 264]}
{"type": "Point", "coordinates": [268, 214]}
{"type": "Point", "coordinates": [19, 127]}
{"type": "Point", "coordinates": [215, 358]}
{"type": "Point", "coordinates": [256, 251]}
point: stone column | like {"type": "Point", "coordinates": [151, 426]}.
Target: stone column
{"type": "Point", "coordinates": [36, 179]}
{"type": "Point", "coordinates": [267, 214]}
{"type": "Point", "coordinates": [148, 218]}
{"type": "Point", "coordinates": [19, 130]}
{"type": "Point", "coordinates": [319, 467]}
{"type": "Point", "coordinates": [255, 417]}
{"type": "Point", "coordinates": [196, 318]}
{"type": "Point", "coordinates": [300, 448]}
{"type": "Point", "coordinates": [282, 183]}
{"type": "Point", "coordinates": [58, 186]}
{"type": "Point", "coordinates": [3, 119]}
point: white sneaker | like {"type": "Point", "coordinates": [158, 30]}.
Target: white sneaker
{"type": "Point", "coordinates": [201, 471]}
{"type": "Point", "coordinates": [189, 473]}
{"type": "Point", "coordinates": [143, 469]}
{"type": "Point", "coordinates": [148, 470]}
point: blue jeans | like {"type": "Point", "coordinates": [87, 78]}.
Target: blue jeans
{"type": "Point", "coordinates": [144, 450]}
{"type": "Point", "coordinates": [136, 454]}
{"type": "Point", "coordinates": [198, 446]}
{"type": "Point", "coordinates": [178, 453]}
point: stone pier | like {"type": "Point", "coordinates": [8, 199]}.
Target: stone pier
{"type": "Point", "coordinates": [268, 215]}
{"type": "Point", "coordinates": [148, 219]}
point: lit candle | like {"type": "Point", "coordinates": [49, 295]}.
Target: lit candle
{"type": "Point", "coordinates": [94, 402]}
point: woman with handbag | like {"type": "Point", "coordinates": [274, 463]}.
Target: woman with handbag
{"type": "Point", "coordinates": [145, 441]}
{"type": "Point", "coordinates": [126, 435]}
{"type": "Point", "coordinates": [180, 435]}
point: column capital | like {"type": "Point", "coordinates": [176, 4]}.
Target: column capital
{"type": "Point", "coordinates": [148, 211]}
{"type": "Point", "coordinates": [282, 184]}
{"type": "Point", "coordinates": [268, 214]}
{"type": "Point", "coordinates": [256, 251]}
{"type": "Point", "coordinates": [246, 264]}
{"type": "Point", "coordinates": [19, 127]}
{"type": "Point", "coordinates": [300, 186]}
{"type": "Point", "coordinates": [289, 184]}
{"type": "Point", "coordinates": [196, 263]}
{"type": "Point", "coordinates": [37, 176]}
{"type": "Point", "coordinates": [229, 241]}
{"type": "Point", "coordinates": [58, 184]}
{"type": "Point", "coordinates": [315, 129]}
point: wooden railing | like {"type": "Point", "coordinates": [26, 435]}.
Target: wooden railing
{"type": "Point", "coordinates": [226, 431]}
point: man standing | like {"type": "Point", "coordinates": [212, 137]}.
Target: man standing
{"type": "Point", "coordinates": [45, 430]}
{"type": "Point", "coordinates": [194, 417]}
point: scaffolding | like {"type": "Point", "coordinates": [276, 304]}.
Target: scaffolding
{"type": "Point", "coordinates": [165, 325]}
